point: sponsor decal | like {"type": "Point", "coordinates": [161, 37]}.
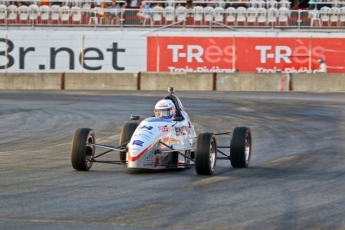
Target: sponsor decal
{"type": "Point", "coordinates": [183, 130]}
{"type": "Point", "coordinates": [138, 142]}
{"type": "Point", "coordinates": [163, 129]}
{"type": "Point", "coordinates": [135, 149]}
{"type": "Point", "coordinates": [142, 135]}
{"type": "Point", "coordinates": [145, 127]}
{"type": "Point", "coordinates": [178, 131]}
{"type": "Point", "coordinates": [147, 131]}
{"type": "Point", "coordinates": [162, 104]}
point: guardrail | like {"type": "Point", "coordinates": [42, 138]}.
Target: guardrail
{"type": "Point", "coordinates": [207, 17]}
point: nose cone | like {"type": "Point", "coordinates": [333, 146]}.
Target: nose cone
{"type": "Point", "coordinates": [143, 144]}
{"type": "Point", "coordinates": [135, 152]}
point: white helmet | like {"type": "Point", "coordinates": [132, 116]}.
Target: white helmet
{"type": "Point", "coordinates": [165, 109]}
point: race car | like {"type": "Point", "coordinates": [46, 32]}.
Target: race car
{"type": "Point", "coordinates": [165, 140]}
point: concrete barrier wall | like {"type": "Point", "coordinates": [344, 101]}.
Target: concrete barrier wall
{"type": "Point", "coordinates": [180, 81]}
{"type": "Point", "coordinates": [110, 81]}
{"type": "Point", "coordinates": [302, 82]}
{"type": "Point", "coordinates": [319, 82]}
{"type": "Point", "coordinates": [252, 82]}
{"type": "Point", "coordinates": [30, 81]}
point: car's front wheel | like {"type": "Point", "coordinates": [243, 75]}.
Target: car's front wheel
{"type": "Point", "coordinates": [241, 147]}
{"type": "Point", "coordinates": [82, 152]}
{"type": "Point", "coordinates": [205, 154]}
{"type": "Point", "coordinates": [126, 134]}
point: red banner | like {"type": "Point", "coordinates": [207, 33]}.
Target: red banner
{"type": "Point", "coordinates": [245, 54]}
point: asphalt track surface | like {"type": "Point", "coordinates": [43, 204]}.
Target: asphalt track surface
{"type": "Point", "coordinates": [296, 179]}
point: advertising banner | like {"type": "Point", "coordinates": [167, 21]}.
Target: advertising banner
{"type": "Point", "coordinates": [244, 54]}
{"type": "Point", "coordinates": [40, 51]}
{"type": "Point", "coordinates": [71, 51]}
{"type": "Point", "coordinates": [190, 54]}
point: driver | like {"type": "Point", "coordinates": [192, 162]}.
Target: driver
{"type": "Point", "coordinates": [165, 109]}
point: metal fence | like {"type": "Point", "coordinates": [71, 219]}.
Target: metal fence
{"type": "Point", "coordinates": [174, 17]}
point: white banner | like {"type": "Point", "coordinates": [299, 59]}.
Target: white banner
{"type": "Point", "coordinates": [64, 51]}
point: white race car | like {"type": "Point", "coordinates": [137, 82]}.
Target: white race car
{"type": "Point", "coordinates": [158, 143]}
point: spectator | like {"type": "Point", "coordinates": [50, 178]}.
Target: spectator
{"type": "Point", "coordinates": [103, 13]}
{"type": "Point", "coordinates": [189, 4]}
{"type": "Point", "coordinates": [319, 6]}
{"type": "Point", "coordinates": [115, 10]}
{"type": "Point", "coordinates": [322, 67]}
{"type": "Point", "coordinates": [313, 5]}
{"type": "Point", "coordinates": [97, 3]}
{"type": "Point", "coordinates": [144, 12]}
{"type": "Point", "coordinates": [44, 3]}
{"type": "Point", "coordinates": [24, 3]}
{"type": "Point", "coordinates": [59, 3]}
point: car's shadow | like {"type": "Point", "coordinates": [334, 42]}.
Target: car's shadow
{"type": "Point", "coordinates": [153, 171]}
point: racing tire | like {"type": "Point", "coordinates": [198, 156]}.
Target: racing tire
{"type": "Point", "coordinates": [81, 153]}
{"type": "Point", "coordinates": [126, 134]}
{"type": "Point", "coordinates": [241, 147]}
{"type": "Point", "coordinates": [205, 154]}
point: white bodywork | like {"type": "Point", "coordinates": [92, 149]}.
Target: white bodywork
{"type": "Point", "coordinates": [146, 151]}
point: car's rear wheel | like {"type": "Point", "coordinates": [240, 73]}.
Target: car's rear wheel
{"type": "Point", "coordinates": [82, 153]}
{"type": "Point", "coordinates": [126, 134]}
{"type": "Point", "coordinates": [205, 154]}
{"type": "Point", "coordinates": [241, 147]}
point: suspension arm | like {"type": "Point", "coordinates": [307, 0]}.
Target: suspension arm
{"type": "Point", "coordinates": [174, 150]}
{"type": "Point", "coordinates": [226, 156]}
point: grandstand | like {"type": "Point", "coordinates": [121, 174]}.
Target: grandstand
{"type": "Point", "coordinates": [86, 36]}
{"type": "Point", "coordinates": [252, 14]}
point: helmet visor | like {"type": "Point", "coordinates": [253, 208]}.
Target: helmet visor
{"type": "Point", "coordinates": [164, 112]}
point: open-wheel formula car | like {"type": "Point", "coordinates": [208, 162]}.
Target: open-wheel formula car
{"type": "Point", "coordinates": [165, 140]}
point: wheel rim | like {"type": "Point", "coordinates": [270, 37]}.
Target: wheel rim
{"type": "Point", "coordinates": [89, 151]}
{"type": "Point", "coordinates": [247, 147]}
{"type": "Point", "coordinates": [212, 155]}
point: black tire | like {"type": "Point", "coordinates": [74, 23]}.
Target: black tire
{"type": "Point", "coordinates": [126, 134]}
{"type": "Point", "coordinates": [205, 154]}
{"type": "Point", "coordinates": [81, 153]}
{"type": "Point", "coordinates": [241, 147]}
